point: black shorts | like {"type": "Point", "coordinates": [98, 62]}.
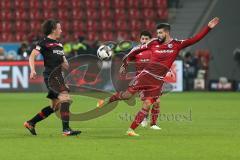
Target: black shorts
{"type": "Point", "coordinates": [55, 84]}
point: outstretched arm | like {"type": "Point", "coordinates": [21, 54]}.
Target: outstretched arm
{"type": "Point", "coordinates": [136, 50]}
{"type": "Point", "coordinates": [130, 57]}
{"type": "Point", "coordinates": [201, 34]}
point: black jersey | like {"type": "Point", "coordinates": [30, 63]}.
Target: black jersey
{"type": "Point", "coordinates": [52, 51]}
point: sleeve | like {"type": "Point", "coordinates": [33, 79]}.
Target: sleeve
{"type": "Point", "coordinates": [38, 47]}
{"type": "Point", "coordinates": [131, 55]}
{"type": "Point", "coordinates": [190, 41]}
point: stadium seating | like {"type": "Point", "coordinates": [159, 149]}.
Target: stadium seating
{"type": "Point", "coordinates": [21, 15]}
{"type": "Point", "coordinates": [35, 26]}
{"type": "Point", "coordinates": [114, 18]}
{"type": "Point", "coordinates": [90, 4]}
{"type": "Point", "coordinates": [105, 4]}
{"type": "Point", "coordinates": [121, 35]}
{"type": "Point", "coordinates": [147, 4]}
{"type": "Point", "coordinates": [6, 4]}
{"type": "Point", "coordinates": [6, 15]}
{"type": "Point", "coordinates": [120, 14]}
{"type": "Point", "coordinates": [135, 25]}
{"type": "Point", "coordinates": [78, 26]}
{"type": "Point", "coordinates": [34, 5]}
{"type": "Point", "coordinates": [134, 13]}
{"type": "Point", "coordinates": [92, 26]}
{"type": "Point", "coordinates": [48, 5]}
{"type": "Point", "coordinates": [6, 37]}
{"type": "Point", "coordinates": [149, 14]}
{"type": "Point", "coordinates": [106, 25]}
{"type": "Point", "coordinates": [132, 4]}
{"type": "Point", "coordinates": [78, 15]}
{"type": "Point", "coordinates": [20, 4]}
{"type": "Point", "coordinates": [119, 4]}
{"type": "Point", "coordinates": [92, 14]}
{"type": "Point", "coordinates": [121, 25]}
{"type": "Point", "coordinates": [106, 14]}
{"type": "Point", "coordinates": [20, 26]}
{"type": "Point", "coordinates": [107, 36]}
{"type": "Point", "coordinates": [76, 4]}
{"type": "Point", "coordinates": [5, 26]}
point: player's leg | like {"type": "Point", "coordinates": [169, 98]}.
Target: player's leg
{"type": "Point", "coordinates": [62, 105]}
{"type": "Point", "coordinates": [145, 121]}
{"type": "Point", "coordinates": [140, 116]}
{"type": "Point", "coordinates": [44, 113]}
{"type": "Point", "coordinates": [123, 95]}
{"type": "Point", "coordinates": [154, 115]}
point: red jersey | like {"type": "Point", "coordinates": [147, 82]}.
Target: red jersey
{"type": "Point", "coordinates": [141, 59]}
{"type": "Point", "coordinates": [163, 55]}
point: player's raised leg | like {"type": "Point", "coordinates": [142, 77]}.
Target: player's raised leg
{"type": "Point", "coordinates": [124, 95]}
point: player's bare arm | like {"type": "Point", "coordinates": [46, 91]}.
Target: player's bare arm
{"type": "Point", "coordinates": [65, 64]}
{"type": "Point", "coordinates": [32, 56]}
{"type": "Point", "coordinates": [213, 22]}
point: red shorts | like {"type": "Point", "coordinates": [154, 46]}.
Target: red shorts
{"type": "Point", "coordinates": [147, 86]}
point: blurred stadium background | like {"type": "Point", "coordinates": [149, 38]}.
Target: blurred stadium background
{"type": "Point", "coordinates": [212, 64]}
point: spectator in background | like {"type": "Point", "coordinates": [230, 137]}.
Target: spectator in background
{"type": "Point", "coordinates": [22, 51]}
{"type": "Point", "coordinates": [2, 54]}
{"type": "Point", "coordinates": [190, 70]}
{"type": "Point", "coordinates": [94, 47]}
{"type": "Point", "coordinates": [67, 45]}
{"type": "Point", "coordinates": [81, 47]}
{"type": "Point", "coordinates": [33, 40]}
{"type": "Point", "coordinates": [67, 48]}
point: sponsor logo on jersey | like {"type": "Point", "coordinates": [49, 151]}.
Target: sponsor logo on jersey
{"type": "Point", "coordinates": [59, 52]}
{"type": "Point", "coordinates": [170, 45]}
{"type": "Point", "coordinates": [165, 51]}
{"type": "Point", "coordinates": [144, 60]}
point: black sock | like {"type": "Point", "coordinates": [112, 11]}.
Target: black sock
{"type": "Point", "coordinates": [64, 111]}
{"type": "Point", "coordinates": [45, 112]}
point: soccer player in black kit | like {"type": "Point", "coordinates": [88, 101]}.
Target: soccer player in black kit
{"type": "Point", "coordinates": [52, 52]}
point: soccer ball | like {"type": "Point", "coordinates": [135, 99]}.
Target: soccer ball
{"type": "Point", "coordinates": [104, 52]}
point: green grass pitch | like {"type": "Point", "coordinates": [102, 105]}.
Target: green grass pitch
{"type": "Point", "coordinates": [212, 132]}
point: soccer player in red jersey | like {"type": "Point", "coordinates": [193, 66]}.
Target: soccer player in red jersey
{"type": "Point", "coordinates": [140, 60]}
{"type": "Point", "coordinates": [164, 50]}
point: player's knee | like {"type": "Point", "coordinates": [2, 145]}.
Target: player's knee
{"type": "Point", "coordinates": [147, 103]}
{"type": "Point", "coordinates": [54, 103]}
{"type": "Point", "coordinates": [62, 98]}
{"type": "Point", "coordinates": [156, 102]}
{"type": "Point", "coordinates": [127, 95]}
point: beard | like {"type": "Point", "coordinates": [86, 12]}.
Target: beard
{"type": "Point", "coordinates": [162, 40]}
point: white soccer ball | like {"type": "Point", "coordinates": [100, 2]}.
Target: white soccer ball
{"type": "Point", "coordinates": [104, 52]}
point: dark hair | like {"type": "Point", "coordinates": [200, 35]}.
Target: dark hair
{"type": "Point", "coordinates": [146, 33]}
{"type": "Point", "coordinates": [188, 54]}
{"type": "Point", "coordinates": [49, 25]}
{"type": "Point", "coordinates": [165, 26]}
